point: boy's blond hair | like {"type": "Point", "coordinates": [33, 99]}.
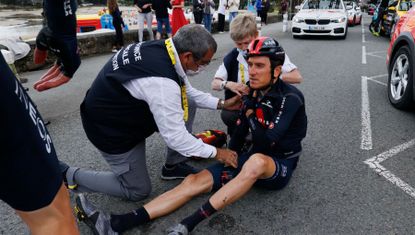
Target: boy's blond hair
{"type": "Point", "coordinates": [243, 26]}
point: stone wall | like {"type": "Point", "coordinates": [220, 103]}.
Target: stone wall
{"type": "Point", "coordinates": [100, 43]}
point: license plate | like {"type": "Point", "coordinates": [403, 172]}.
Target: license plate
{"type": "Point", "coordinates": [316, 28]}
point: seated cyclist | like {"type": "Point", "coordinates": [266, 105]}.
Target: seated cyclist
{"type": "Point", "coordinates": [274, 112]}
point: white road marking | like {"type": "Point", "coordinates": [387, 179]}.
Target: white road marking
{"type": "Point", "coordinates": [366, 140]}
{"type": "Point", "coordinates": [376, 81]}
{"type": "Point", "coordinates": [363, 55]}
{"type": "Point", "coordinates": [378, 76]}
{"type": "Point", "coordinates": [374, 163]}
{"type": "Point", "coordinates": [363, 38]}
{"type": "Point", "coordinates": [376, 52]}
{"type": "Point", "coordinates": [363, 26]}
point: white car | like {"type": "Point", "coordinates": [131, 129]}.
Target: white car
{"type": "Point", "coordinates": [320, 17]}
{"type": "Point", "coordinates": [354, 14]}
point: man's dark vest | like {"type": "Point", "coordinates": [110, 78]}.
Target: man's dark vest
{"type": "Point", "coordinates": [232, 67]}
{"type": "Point", "coordinates": [115, 121]}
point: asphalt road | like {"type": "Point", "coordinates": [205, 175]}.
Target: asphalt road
{"type": "Point", "coordinates": [333, 190]}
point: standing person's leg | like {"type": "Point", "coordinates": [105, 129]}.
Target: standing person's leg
{"type": "Point", "coordinates": [149, 21]}
{"type": "Point", "coordinates": [119, 36]}
{"type": "Point", "coordinates": [206, 21]}
{"type": "Point", "coordinates": [128, 177]}
{"type": "Point", "coordinates": [200, 16]}
{"type": "Point", "coordinates": [263, 12]}
{"type": "Point", "coordinates": [159, 28]}
{"type": "Point", "coordinates": [167, 26]}
{"type": "Point", "coordinates": [56, 218]}
{"type": "Point", "coordinates": [141, 17]}
{"type": "Point", "coordinates": [175, 166]}
{"type": "Point", "coordinates": [265, 17]}
{"type": "Point", "coordinates": [221, 22]}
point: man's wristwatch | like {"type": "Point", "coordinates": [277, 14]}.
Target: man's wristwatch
{"type": "Point", "coordinates": [221, 104]}
{"type": "Point", "coordinates": [223, 85]}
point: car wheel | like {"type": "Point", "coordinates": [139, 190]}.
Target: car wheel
{"type": "Point", "coordinates": [354, 21]}
{"type": "Point", "coordinates": [400, 79]}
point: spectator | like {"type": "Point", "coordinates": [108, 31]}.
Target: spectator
{"type": "Point", "coordinates": [162, 16]}
{"type": "Point", "coordinates": [208, 9]}
{"type": "Point", "coordinates": [58, 36]}
{"type": "Point", "coordinates": [178, 19]}
{"type": "Point", "coordinates": [265, 5]}
{"type": "Point", "coordinates": [117, 22]}
{"type": "Point", "coordinates": [251, 7]}
{"type": "Point", "coordinates": [284, 6]}
{"type": "Point", "coordinates": [233, 7]}
{"type": "Point", "coordinates": [198, 11]}
{"type": "Point", "coordinates": [144, 14]}
{"type": "Point", "coordinates": [258, 6]}
{"type": "Point", "coordinates": [221, 15]}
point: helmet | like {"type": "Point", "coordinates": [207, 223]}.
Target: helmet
{"type": "Point", "coordinates": [266, 46]}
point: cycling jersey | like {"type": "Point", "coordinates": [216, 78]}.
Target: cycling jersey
{"type": "Point", "coordinates": [28, 164]}
{"type": "Point", "coordinates": [278, 124]}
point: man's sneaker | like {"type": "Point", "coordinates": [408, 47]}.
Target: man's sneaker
{"type": "Point", "coordinates": [178, 229]}
{"type": "Point", "coordinates": [98, 221]}
{"type": "Point", "coordinates": [178, 171]}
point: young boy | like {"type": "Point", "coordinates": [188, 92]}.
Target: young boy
{"type": "Point", "coordinates": [232, 74]}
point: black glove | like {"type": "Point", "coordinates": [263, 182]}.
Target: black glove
{"type": "Point", "coordinates": [248, 103]}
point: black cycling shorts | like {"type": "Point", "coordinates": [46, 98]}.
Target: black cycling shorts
{"type": "Point", "coordinates": [29, 168]}
{"type": "Point", "coordinates": [285, 167]}
{"type": "Point", "coordinates": [65, 48]}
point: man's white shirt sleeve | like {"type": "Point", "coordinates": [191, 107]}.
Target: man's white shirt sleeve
{"type": "Point", "coordinates": [164, 99]}
{"type": "Point", "coordinates": [222, 72]}
{"type": "Point", "coordinates": [202, 99]}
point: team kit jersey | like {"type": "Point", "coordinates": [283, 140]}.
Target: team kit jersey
{"type": "Point", "coordinates": [28, 162]}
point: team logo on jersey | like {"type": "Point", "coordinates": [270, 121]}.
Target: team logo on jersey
{"type": "Point", "coordinates": [267, 103]}
{"type": "Point", "coordinates": [67, 7]}
{"type": "Point", "coordinates": [283, 170]}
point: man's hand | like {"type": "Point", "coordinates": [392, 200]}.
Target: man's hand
{"type": "Point", "coordinates": [248, 102]}
{"type": "Point", "coordinates": [238, 88]}
{"type": "Point", "coordinates": [233, 103]}
{"type": "Point", "coordinates": [227, 157]}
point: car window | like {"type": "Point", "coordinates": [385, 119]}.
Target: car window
{"type": "Point", "coordinates": [323, 4]}
{"type": "Point", "coordinates": [405, 5]}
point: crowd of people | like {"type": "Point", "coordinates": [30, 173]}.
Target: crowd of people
{"type": "Point", "coordinates": [129, 101]}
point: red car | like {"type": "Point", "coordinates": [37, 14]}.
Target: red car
{"type": "Point", "coordinates": [401, 62]}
